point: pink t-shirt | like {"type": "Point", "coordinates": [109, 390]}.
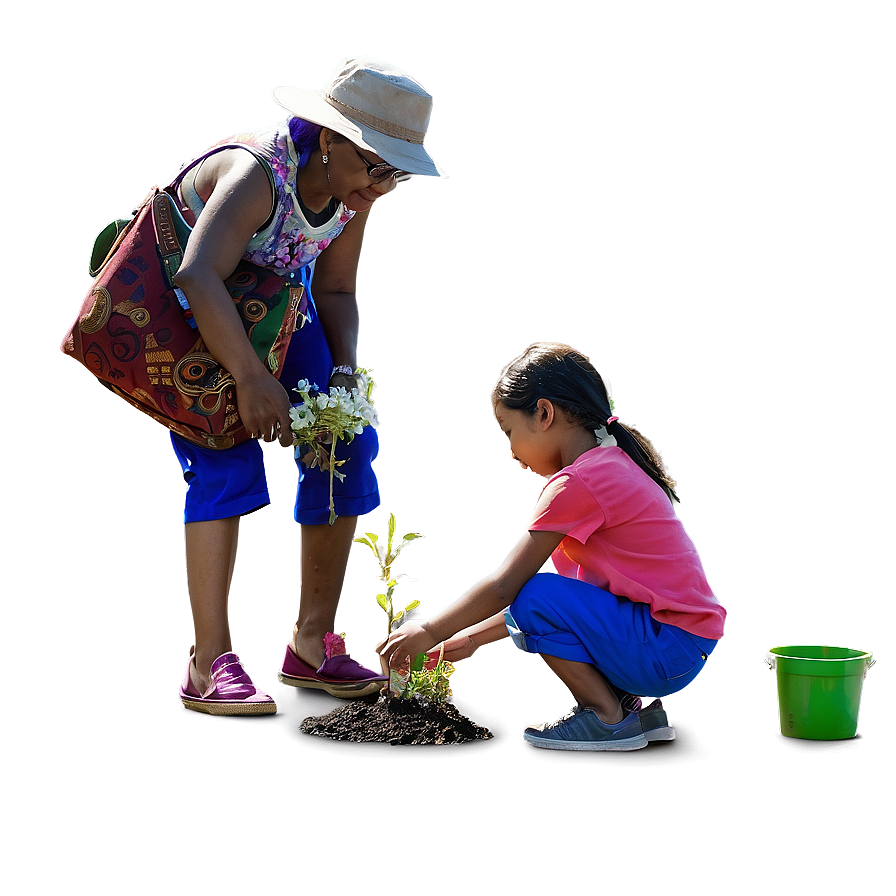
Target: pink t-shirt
{"type": "Point", "coordinates": [622, 535]}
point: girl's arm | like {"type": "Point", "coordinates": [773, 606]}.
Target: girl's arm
{"type": "Point", "coordinates": [333, 288]}
{"type": "Point", "coordinates": [239, 203]}
{"type": "Point", "coordinates": [482, 602]}
{"type": "Point", "coordinates": [464, 644]}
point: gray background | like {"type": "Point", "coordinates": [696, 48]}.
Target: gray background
{"type": "Point", "coordinates": [699, 196]}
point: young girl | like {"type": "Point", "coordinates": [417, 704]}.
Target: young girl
{"type": "Point", "coordinates": [630, 611]}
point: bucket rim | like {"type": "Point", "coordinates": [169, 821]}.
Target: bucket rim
{"type": "Point", "coordinates": [860, 654]}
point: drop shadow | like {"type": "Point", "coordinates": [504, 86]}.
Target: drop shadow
{"type": "Point", "coordinates": [238, 720]}
{"type": "Point", "coordinates": [818, 749]}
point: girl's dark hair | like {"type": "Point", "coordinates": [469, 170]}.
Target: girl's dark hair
{"type": "Point", "coordinates": [305, 136]}
{"type": "Point", "coordinates": [569, 380]}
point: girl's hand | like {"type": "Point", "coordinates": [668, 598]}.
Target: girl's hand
{"type": "Point", "coordinates": [402, 646]}
{"type": "Point", "coordinates": [460, 647]}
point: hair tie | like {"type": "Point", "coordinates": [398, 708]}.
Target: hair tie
{"type": "Point", "coordinates": [611, 420]}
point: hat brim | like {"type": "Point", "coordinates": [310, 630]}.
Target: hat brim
{"type": "Point", "coordinates": [312, 106]}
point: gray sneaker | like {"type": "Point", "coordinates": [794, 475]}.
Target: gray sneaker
{"type": "Point", "coordinates": [654, 723]}
{"type": "Point", "coordinates": [581, 729]}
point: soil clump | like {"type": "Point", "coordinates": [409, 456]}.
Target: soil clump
{"type": "Point", "coordinates": [391, 720]}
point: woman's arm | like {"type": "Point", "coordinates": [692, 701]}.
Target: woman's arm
{"type": "Point", "coordinates": [490, 597]}
{"type": "Point", "coordinates": [333, 288]}
{"type": "Point", "coordinates": [239, 203]}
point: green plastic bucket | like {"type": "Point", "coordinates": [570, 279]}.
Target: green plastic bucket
{"type": "Point", "coordinates": [819, 690]}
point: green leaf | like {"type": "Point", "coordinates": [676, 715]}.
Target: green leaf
{"type": "Point", "coordinates": [368, 538]}
{"type": "Point", "coordinates": [391, 530]}
{"type": "Point", "coordinates": [383, 601]}
{"type": "Point", "coordinates": [419, 662]}
{"type": "Point", "coordinates": [412, 606]}
{"type": "Point", "coordinates": [411, 536]}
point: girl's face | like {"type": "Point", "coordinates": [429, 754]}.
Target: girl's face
{"type": "Point", "coordinates": [533, 441]}
{"type": "Point", "coordinates": [349, 179]}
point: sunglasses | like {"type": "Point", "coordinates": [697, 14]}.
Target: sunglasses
{"type": "Point", "coordinates": [383, 171]}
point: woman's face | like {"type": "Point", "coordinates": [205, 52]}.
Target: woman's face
{"type": "Point", "coordinates": [349, 180]}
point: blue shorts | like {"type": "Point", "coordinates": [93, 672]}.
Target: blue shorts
{"type": "Point", "coordinates": [222, 484]}
{"type": "Point", "coordinates": [578, 621]}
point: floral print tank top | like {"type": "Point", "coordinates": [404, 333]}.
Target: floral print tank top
{"type": "Point", "coordinates": [288, 242]}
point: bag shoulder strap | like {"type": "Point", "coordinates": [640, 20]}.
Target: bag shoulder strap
{"type": "Point", "coordinates": [172, 232]}
{"type": "Point", "coordinates": [200, 159]}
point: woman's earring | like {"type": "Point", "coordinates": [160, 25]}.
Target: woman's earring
{"type": "Point", "coordinates": [325, 158]}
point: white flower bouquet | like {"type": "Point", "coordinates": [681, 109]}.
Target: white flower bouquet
{"type": "Point", "coordinates": [323, 419]}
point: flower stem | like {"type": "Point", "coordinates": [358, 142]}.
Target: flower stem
{"type": "Point", "coordinates": [332, 468]}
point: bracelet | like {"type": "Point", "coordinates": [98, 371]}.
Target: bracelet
{"type": "Point", "coordinates": [344, 369]}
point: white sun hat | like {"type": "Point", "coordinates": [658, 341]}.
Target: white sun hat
{"type": "Point", "coordinates": [376, 106]}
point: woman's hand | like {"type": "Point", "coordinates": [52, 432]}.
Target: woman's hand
{"type": "Point", "coordinates": [402, 646]}
{"type": "Point", "coordinates": [349, 381]}
{"type": "Point", "coordinates": [264, 408]}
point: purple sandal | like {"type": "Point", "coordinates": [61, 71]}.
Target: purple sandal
{"type": "Point", "coordinates": [338, 675]}
{"type": "Point", "coordinates": [230, 691]}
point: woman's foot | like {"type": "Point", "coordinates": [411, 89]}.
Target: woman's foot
{"type": "Point", "coordinates": [309, 647]}
{"type": "Point", "coordinates": [337, 673]}
{"type": "Point", "coordinates": [228, 690]}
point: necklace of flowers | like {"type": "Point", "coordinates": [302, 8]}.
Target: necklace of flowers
{"type": "Point", "coordinates": [323, 419]}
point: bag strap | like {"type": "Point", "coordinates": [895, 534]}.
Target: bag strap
{"type": "Point", "coordinates": [200, 159]}
{"type": "Point", "coordinates": [168, 239]}
{"type": "Point", "coordinates": [172, 231]}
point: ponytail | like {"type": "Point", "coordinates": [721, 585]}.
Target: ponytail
{"type": "Point", "coordinates": [569, 380]}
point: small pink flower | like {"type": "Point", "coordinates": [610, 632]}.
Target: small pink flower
{"type": "Point", "coordinates": [334, 645]}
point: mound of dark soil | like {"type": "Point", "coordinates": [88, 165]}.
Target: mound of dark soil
{"type": "Point", "coordinates": [385, 720]}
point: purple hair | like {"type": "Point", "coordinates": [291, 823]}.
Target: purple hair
{"type": "Point", "coordinates": [305, 135]}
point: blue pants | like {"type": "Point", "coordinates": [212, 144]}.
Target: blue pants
{"type": "Point", "coordinates": [222, 484]}
{"type": "Point", "coordinates": [578, 621]}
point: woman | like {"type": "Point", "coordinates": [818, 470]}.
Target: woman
{"type": "Point", "coordinates": [297, 200]}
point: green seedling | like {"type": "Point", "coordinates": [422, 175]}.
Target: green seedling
{"type": "Point", "coordinates": [429, 684]}
{"type": "Point", "coordinates": [386, 554]}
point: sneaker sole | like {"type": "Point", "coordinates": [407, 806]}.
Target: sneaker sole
{"type": "Point", "coordinates": [602, 746]}
{"type": "Point", "coordinates": [215, 708]}
{"type": "Point", "coordinates": [346, 691]}
{"type": "Point", "coordinates": [667, 733]}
